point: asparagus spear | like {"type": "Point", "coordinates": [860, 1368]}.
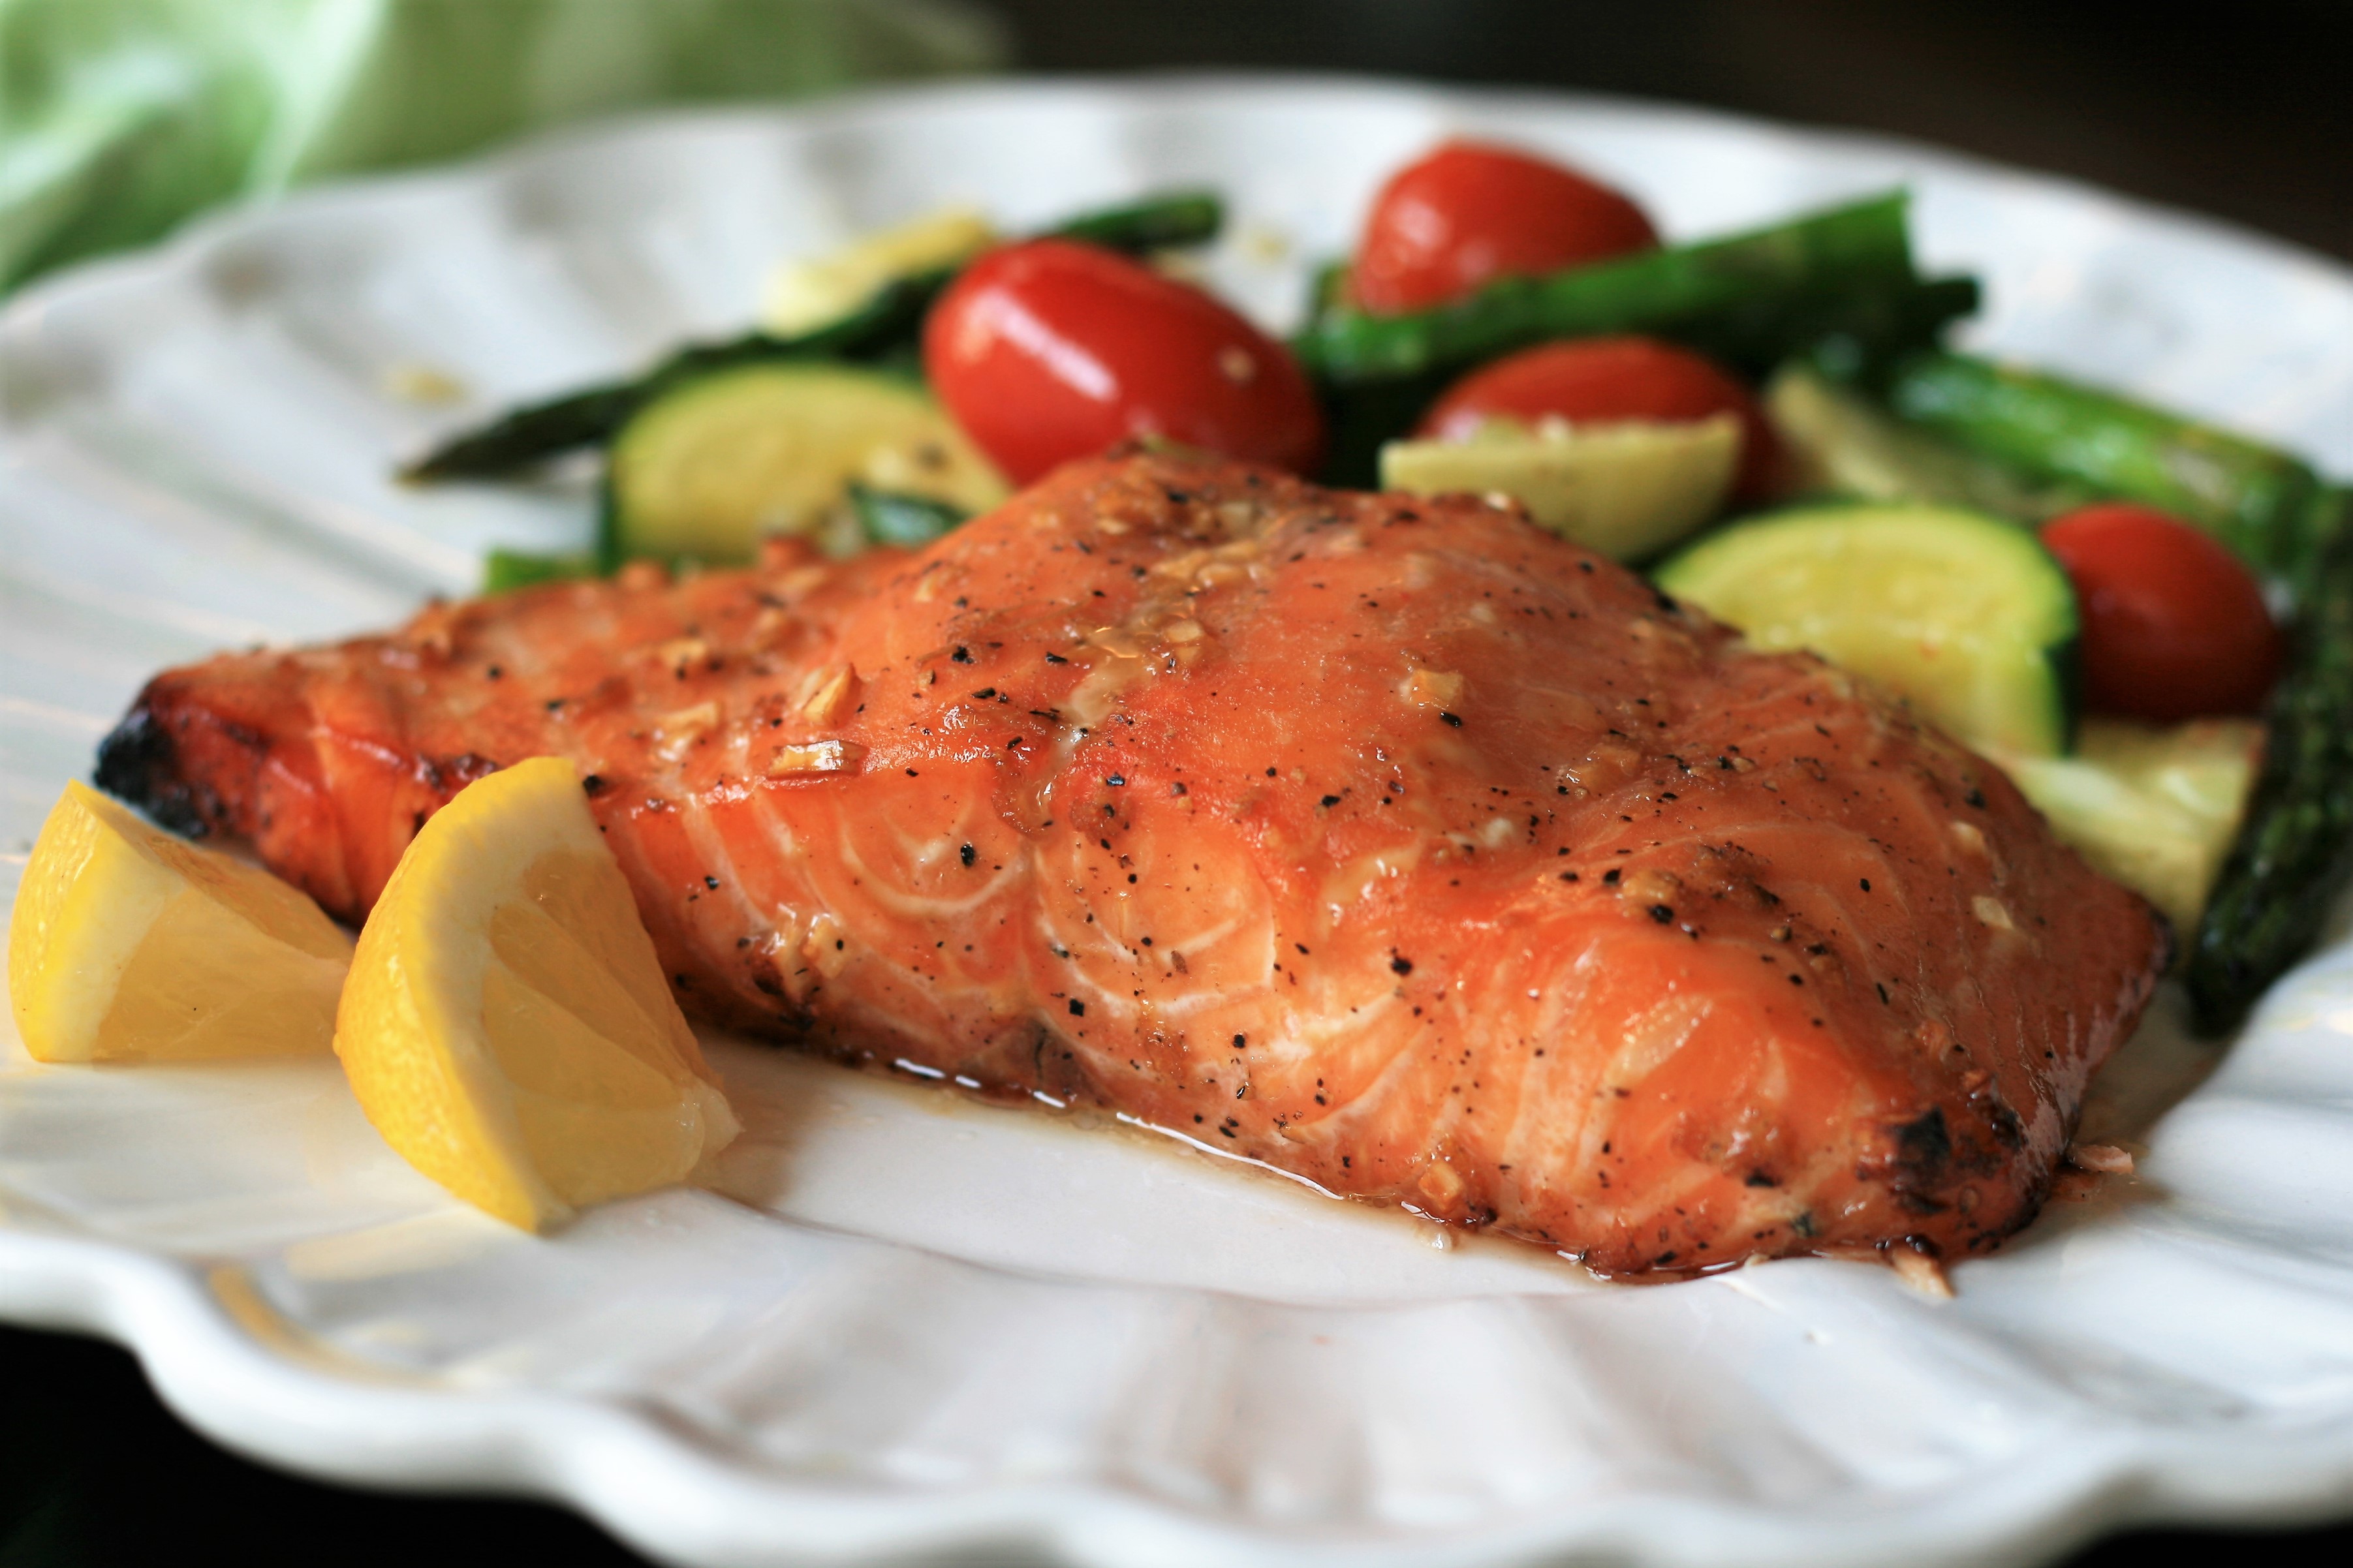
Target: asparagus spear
{"type": "Point", "coordinates": [2252, 497]}
{"type": "Point", "coordinates": [538, 431]}
{"type": "Point", "coordinates": [2294, 854]}
{"type": "Point", "coordinates": [886, 328]}
{"type": "Point", "coordinates": [1169, 221]}
{"type": "Point", "coordinates": [1733, 292]}
{"type": "Point", "coordinates": [1856, 332]}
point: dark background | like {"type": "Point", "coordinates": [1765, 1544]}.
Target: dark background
{"type": "Point", "coordinates": [2242, 112]}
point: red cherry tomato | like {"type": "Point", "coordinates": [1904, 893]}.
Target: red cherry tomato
{"type": "Point", "coordinates": [1471, 211]}
{"type": "Point", "coordinates": [1053, 350]}
{"type": "Point", "coordinates": [2174, 627]}
{"type": "Point", "coordinates": [1612, 378]}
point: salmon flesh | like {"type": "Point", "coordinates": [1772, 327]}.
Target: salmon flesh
{"type": "Point", "coordinates": [1389, 841]}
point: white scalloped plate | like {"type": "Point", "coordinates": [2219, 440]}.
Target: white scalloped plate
{"type": "Point", "coordinates": [912, 1323]}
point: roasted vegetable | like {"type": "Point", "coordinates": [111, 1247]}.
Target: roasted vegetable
{"type": "Point", "coordinates": [883, 329]}
{"type": "Point", "coordinates": [1750, 299]}
{"type": "Point", "coordinates": [706, 469]}
{"type": "Point", "coordinates": [1627, 488]}
{"type": "Point", "coordinates": [1966, 615]}
{"type": "Point", "coordinates": [503, 570]}
{"type": "Point", "coordinates": [2253, 497]}
{"type": "Point", "coordinates": [2156, 808]}
{"type": "Point", "coordinates": [1170, 221]}
{"type": "Point", "coordinates": [1838, 285]}
{"type": "Point", "coordinates": [1842, 442]}
{"type": "Point", "coordinates": [2294, 855]}
{"type": "Point", "coordinates": [808, 292]}
{"type": "Point", "coordinates": [885, 325]}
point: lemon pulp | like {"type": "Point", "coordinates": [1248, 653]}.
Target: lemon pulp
{"type": "Point", "coordinates": [129, 945]}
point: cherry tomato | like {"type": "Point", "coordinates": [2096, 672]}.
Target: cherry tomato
{"type": "Point", "coordinates": [1053, 350]}
{"type": "Point", "coordinates": [1612, 378]}
{"type": "Point", "coordinates": [2174, 627]}
{"type": "Point", "coordinates": [1471, 211]}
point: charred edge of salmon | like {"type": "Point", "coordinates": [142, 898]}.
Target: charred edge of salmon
{"type": "Point", "coordinates": [1927, 1162]}
{"type": "Point", "coordinates": [139, 762]}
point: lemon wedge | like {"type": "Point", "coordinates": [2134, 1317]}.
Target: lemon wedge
{"type": "Point", "coordinates": [129, 945]}
{"type": "Point", "coordinates": [506, 1024]}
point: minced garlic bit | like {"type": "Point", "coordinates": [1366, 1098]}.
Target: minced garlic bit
{"type": "Point", "coordinates": [1441, 1183]}
{"type": "Point", "coordinates": [814, 757]}
{"type": "Point", "coordinates": [1119, 642]}
{"type": "Point", "coordinates": [768, 626]}
{"type": "Point", "coordinates": [689, 720]}
{"type": "Point", "coordinates": [1199, 571]}
{"type": "Point", "coordinates": [423, 383]}
{"type": "Point", "coordinates": [824, 694]}
{"type": "Point", "coordinates": [680, 653]}
{"type": "Point", "coordinates": [826, 948]}
{"type": "Point", "coordinates": [1650, 886]}
{"type": "Point", "coordinates": [1264, 244]}
{"type": "Point", "coordinates": [682, 728]}
{"type": "Point", "coordinates": [1992, 911]}
{"type": "Point", "coordinates": [1432, 687]}
{"type": "Point", "coordinates": [1920, 1271]}
{"type": "Point", "coordinates": [799, 582]}
{"type": "Point", "coordinates": [2102, 1159]}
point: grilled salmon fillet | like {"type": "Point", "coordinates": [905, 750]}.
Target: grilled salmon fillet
{"type": "Point", "coordinates": [1390, 841]}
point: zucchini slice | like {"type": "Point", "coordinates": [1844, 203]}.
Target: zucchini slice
{"type": "Point", "coordinates": [2156, 809]}
{"type": "Point", "coordinates": [1966, 615]}
{"type": "Point", "coordinates": [705, 470]}
{"type": "Point", "coordinates": [1626, 488]}
{"type": "Point", "coordinates": [1842, 442]}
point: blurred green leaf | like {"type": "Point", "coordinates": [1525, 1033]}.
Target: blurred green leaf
{"type": "Point", "coordinates": [120, 117]}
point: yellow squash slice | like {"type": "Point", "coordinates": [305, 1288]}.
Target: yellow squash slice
{"type": "Point", "coordinates": [1628, 488]}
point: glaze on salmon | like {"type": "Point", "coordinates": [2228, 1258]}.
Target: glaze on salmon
{"type": "Point", "coordinates": [1391, 841]}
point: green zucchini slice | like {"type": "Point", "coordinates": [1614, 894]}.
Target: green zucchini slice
{"type": "Point", "coordinates": [703, 471]}
{"type": "Point", "coordinates": [1966, 615]}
